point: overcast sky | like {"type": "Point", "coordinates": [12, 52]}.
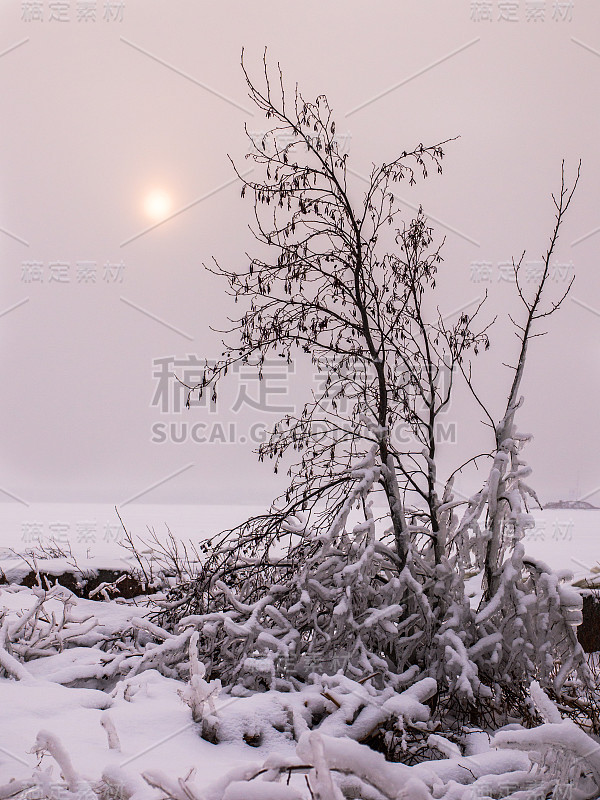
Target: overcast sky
{"type": "Point", "coordinates": [119, 116]}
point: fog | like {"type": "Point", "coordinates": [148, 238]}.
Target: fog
{"type": "Point", "coordinates": [115, 188]}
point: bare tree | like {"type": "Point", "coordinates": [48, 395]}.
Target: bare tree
{"type": "Point", "coordinates": [344, 281]}
{"type": "Point", "coordinates": [327, 286]}
{"type": "Point", "coordinates": [505, 492]}
{"type": "Point", "coordinates": [505, 430]}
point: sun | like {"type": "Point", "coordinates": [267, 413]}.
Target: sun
{"type": "Point", "coordinates": [157, 204]}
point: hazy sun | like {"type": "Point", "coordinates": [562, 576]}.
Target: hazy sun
{"type": "Point", "coordinates": [157, 204]}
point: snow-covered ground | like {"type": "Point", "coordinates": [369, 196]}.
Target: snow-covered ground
{"type": "Point", "coordinates": [153, 724]}
{"type": "Point", "coordinates": [563, 538]}
{"type": "Point", "coordinates": [131, 735]}
{"type": "Point", "coordinates": [80, 714]}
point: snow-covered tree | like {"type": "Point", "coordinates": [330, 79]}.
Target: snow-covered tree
{"type": "Point", "coordinates": [343, 282]}
{"type": "Point", "coordinates": [302, 589]}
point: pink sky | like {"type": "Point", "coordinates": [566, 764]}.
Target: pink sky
{"type": "Point", "coordinates": [125, 111]}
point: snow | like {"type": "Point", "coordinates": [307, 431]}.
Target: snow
{"type": "Point", "coordinates": [152, 724]}
{"type": "Point", "coordinates": [89, 714]}
{"type": "Point", "coordinates": [262, 791]}
{"type": "Point", "coordinates": [137, 733]}
{"type": "Point", "coordinates": [563, 537]}
{"type": "Point", "coordinates": [141, 735]}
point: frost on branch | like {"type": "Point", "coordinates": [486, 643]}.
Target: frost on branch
{"type": "Point", "coordinates": [339, 602]}
{"type": "Point", "coordinates": [345, 606]}
{"type": "Point", "coordinates": [201, 695]}
{"type": "Point", "coordinates": [525, 626]}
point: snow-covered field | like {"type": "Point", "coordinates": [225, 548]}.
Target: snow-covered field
{"type": "Point", "coordinates": [83, 712]}
{"type": "Point", "coordinates": [564, 538]}
{"type": "Point", "coordinates": [152, 723]}
{"type": "Point", "coordinates": [84, 722]}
